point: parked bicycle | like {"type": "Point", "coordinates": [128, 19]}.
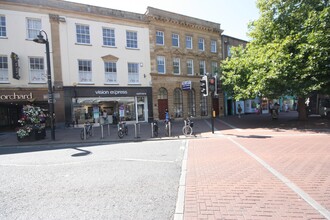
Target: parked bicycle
{"type": "Point", "coordinates": [188, 127]}
{"type": "Point", "coordinates": [155, 128]}
{"type": "Point", "coordinates": [122, 129]}
{"type": "Point", "coordinates": [86, 130]}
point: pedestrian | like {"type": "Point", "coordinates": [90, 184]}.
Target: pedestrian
{"type": "Point", "coordinates": [76, 117]}
{"type": "Point", "coordinates": [167, 116]}
{"type": "Point", "coordinates": [239, 110]}
{"type": "Point", "coordinates": [105, 116]}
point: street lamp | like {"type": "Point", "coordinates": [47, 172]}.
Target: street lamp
{"type": "Point", "coordinates": [41, 40]}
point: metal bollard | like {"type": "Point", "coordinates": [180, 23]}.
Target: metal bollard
{"type": "Point", "coordinates": [102, 130]}
{"type": "Point", "coordinates": [137, 130]}
{"type": "Point", "coordinates": [169, 129]}
{"type": "Point", "coordinates": [85, 134]}
{"type": "Point", "coordinates": [102, 136]}
{"type": "Point", "coordinates": [152, 129]}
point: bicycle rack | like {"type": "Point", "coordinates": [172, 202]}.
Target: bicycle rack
{"type": "Point", "coordinates": [102, 130]}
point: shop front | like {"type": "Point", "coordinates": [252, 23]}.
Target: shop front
{"type": "Point", "coordinates": [12, 102]}
{"type": "Point", "coordinates": [107, 104]}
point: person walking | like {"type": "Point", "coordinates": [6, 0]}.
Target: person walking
{"type": "Point", "coordinates": [239, 109]}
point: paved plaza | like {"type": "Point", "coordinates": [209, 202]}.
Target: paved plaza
{"type": "Point", "coordinates": [251, 167]}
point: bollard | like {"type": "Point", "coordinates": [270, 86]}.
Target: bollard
{"type": "Point", "coordinates": [169, 128]}
{"type": "Point", "coordinates": [152, 129]}
{"type": "Point", "coordinates": [85, 134]}
{"type": "Point", "coordinates": [102, 136]}
{"type": "Point", "coordinates": [137, 130]}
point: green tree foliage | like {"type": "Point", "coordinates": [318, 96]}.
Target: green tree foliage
{"type": "Point", "coordinates": [289, 53]}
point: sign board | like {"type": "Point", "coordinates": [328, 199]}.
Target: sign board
{"type": "Point", "coordinates": [186, 85]}
{"type": "Point", "coordinates": [14, 60]}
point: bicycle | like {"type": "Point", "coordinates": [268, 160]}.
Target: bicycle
{"type": "Point", "coordinates": [122, 129]}
{"type": "Point", "coordinates": [188, 127]}
{"type": "Point", "coordinates": [155, 128]}
{"type": "Point", "coordinates": [88, 128]}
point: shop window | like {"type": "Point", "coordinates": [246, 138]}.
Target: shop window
{"type": "Point", "coordinates": [203, 104]}
{"type": "Point", "coordinates": [191, 103]}
{"type": "Point", "coordinates": [3, 69]}
{"type": "Point", "coordinates": [37, 70]}
{"type": "Point", "coordinates": [178, 103]}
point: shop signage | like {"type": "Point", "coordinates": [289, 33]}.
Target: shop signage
{"type": "Point", "coordinates": [14, 60]}
{"type": "Point", "coordinates": [15, 96]}
{"type": "Point", "coordinates": [186, 85]}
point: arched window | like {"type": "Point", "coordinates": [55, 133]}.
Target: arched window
{"type": "Point", "coordinates": [191, 103]}
{"type": "Point", "coordinates": [203, 104]}
{"type": "Point", "coordinates": [178, 105]}
{"type": "Point", "coordinates": [162, 93]}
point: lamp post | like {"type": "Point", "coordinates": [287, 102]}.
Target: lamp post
{"type": "Point", "coordinates": [41, 40]}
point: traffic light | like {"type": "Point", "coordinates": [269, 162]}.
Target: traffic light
{"type": "Point", "coordinates": [204, 86]}
{"type": "Point", "coordinates": [212, 82]}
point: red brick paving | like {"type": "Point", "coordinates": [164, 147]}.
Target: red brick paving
{"type": "Point", "coordinates": [224, 182]}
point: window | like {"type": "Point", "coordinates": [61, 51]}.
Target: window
{"type": "Point", "coordinates": [176, 66]}
{"type": "Point", "coordinates": [37, 70]}
{"type": "Point", "coordinates": [109, 37]}
{"type": "Point", "coordinates": [189, 42]}
{"type": "Point", "coordinates": [162, 93]}
{"type": "Point", "coordinates": [3, 69]}
{"type": "Point", "coordinates": [177, 103]}
{"type": "Point", "coordinates": [190, 67]}
{"type": "Point", "coordinates": [133, 73]}
{"type": "Point", "coordinates": [202, 69]}
{"type": "Point", "coordinates": [82, 32]}
{"type": "Point", "coordinates": [214, 66]}
{"type": "Point", "coordinates": [3, 30]}
{"type": "Point", "coordinates": [201, 44]}
{"type": "Point", "coordinates": [85, 71]}
{"type": "Point", "coordinates": [161, 64]}
{"type": "Point", "coordinates": [33, 28]}
{"type": "Point", "coordinates": [159, 38]}
{"type": "Point", "coordinates": [110, 69]}
{"type": "Point", "coordinates": [191, 103]}
{"type": "Point", "coordinates": [175, 40]}
{"type": "Point", "coordinates": [213, 46]}
{"type": "Point", "coordinates": [131, 39]}
{"type": "Point", "coordinates": [229, 51]}
{"type": "Point", "coordinates": [203, 104]}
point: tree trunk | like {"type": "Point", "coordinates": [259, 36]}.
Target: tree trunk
{"type": "Point", "coordinates": [302, 112]}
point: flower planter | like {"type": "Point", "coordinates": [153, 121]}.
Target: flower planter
{"type": "Point", "coordinates": [36, 134]}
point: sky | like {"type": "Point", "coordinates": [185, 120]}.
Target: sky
{"type": "Point", "coordinates": [232, 15]}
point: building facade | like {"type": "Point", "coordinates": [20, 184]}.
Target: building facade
{"type": "Point", "coordinates": [99, 60]}
{"type": "Point", "coordinates": [182, 50]}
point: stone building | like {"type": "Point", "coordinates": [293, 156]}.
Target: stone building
{"type": "Point", "coordinates": [182, 50]}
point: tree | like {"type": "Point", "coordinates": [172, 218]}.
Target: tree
{"type": "Point", "coordinates": [289, 53]}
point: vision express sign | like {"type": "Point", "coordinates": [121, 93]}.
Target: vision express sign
{"type": "Point", "coordinates": [112, 92]}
